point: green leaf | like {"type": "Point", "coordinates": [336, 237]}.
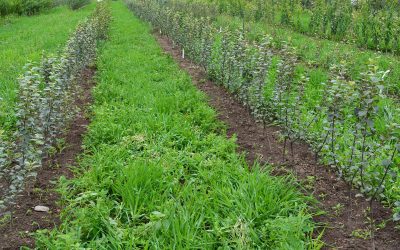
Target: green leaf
{"type": "Point", "coordinates": [370, 123]}
{"type": "Point", "coordinates": [362, 113]}
{"type": "Point", "coordinates": [156, 215]}
{"type": "Point", "coordinates": [396, 217]}
{"type": "Point", "coordinates": [386, 162]}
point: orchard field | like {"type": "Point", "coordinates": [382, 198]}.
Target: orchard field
{"type": "Point", "coordinates": [180, 124]}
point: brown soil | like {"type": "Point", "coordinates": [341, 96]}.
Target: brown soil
{"type": "Point", "coordinates": [344, 216]}
{"type": "Point", "coordinates": [24, 220]}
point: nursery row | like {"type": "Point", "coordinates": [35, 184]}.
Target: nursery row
{"type": "Point", "coordinates": [17, 48]}
{"type": "Point", "coordinates": [45, 103]}
{"type": "Point", "coordinates": [315, 53]}
{"type": "Point", "coordinates": [372, 24]}
{"type": "Point", "coordinates": [158, 171]}
{"type": "Point", "coordinates": [350, 124]}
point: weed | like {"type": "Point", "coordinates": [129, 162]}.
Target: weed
{"type": "Point", "coordinates": [361, 233]}
{"type": "Point", "coordinates": [338, 208]}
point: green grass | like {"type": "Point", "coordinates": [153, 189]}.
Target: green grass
{"type": "Point", "coordinates": [158, 171]}
{"type": "Point", "coordinates": [24, 39]}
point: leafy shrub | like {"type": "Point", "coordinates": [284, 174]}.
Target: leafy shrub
{"type": "Point", "coordinates": [76, 4]}
{"type": "Point", "coordinates": [24, 7]}
{"type": "Point", "coordinates": [31, 7]}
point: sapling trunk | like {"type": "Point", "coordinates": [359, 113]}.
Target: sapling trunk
{"type": "Point", "coordinates": [353, 149]}
{"type": "Point", "coordinates": [355, 172]}
{"type": "Point", "coordinates": [291, 149]}
{"type": "Point", "coordinates": [364, 135]}
{"type": "Point", "coordinates": [333, 137]}
{"type": "Point", "coordinates": [322, 145]}
{"type": "Point", "coordinates": [284, 149]}
{"type": "Point", "coordinates": [318, 151]}
{"type": "Point", "coordinates": [224, 49]}
{"type": "Point", "coordinates": [286, 128]}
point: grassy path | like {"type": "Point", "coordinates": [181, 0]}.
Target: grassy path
{"type": "Point", "coordinates": [158, 171]}
{"type": "Point", "coordinates": [24, 39]}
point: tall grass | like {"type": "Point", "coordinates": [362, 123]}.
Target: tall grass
{"type": "Point", "coordinates": [24, 7]}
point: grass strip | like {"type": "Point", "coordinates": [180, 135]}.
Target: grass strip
{"type": "Point", "coordinates": [158, 171]}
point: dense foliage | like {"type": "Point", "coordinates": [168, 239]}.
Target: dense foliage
{"type": "Point", "coordinates": [372, 24]}
{"type": "Point", "coordinates": [313, 53]}
{"type": "Point", "coordinates": [158, 171]}
{"type": "Point", "coordinates": [31, 7]}
{"type": "Point", "coordinates": [76, 4]}
{"type": "Point", "coordinates": [45, 107]}
{"type": "Point", "coordinates": [23, 7]}
{"type": "Point", "coordinates": [351, 124]}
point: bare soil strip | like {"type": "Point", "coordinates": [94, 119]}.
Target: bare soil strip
{"type": "Point", "coordinates": [346, 219]}
{"type": "Point", "coordinates": [24, 220]}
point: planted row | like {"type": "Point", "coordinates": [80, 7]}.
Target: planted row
{"type": "Point", "coordinates": [350, 124]}
{"type": "Point", "coordinates": [46, 105]}
{"type": "Point", "coordinates": [316, 54]}
{"type": "Point", "coordinates": [370, 24]}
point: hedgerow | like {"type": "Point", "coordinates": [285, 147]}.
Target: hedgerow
{"type": "Point", "coordinates": [45, 106]}
{"type": "Point", "coordinates": [24, 7]}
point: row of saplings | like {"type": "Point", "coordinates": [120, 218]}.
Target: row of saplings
{"type": "Point", "coordinates": [372, 24]}
{"type": "Point", "coordinates": [351, 128]}
{"type": "Point", "coordinates": [46, 106]}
